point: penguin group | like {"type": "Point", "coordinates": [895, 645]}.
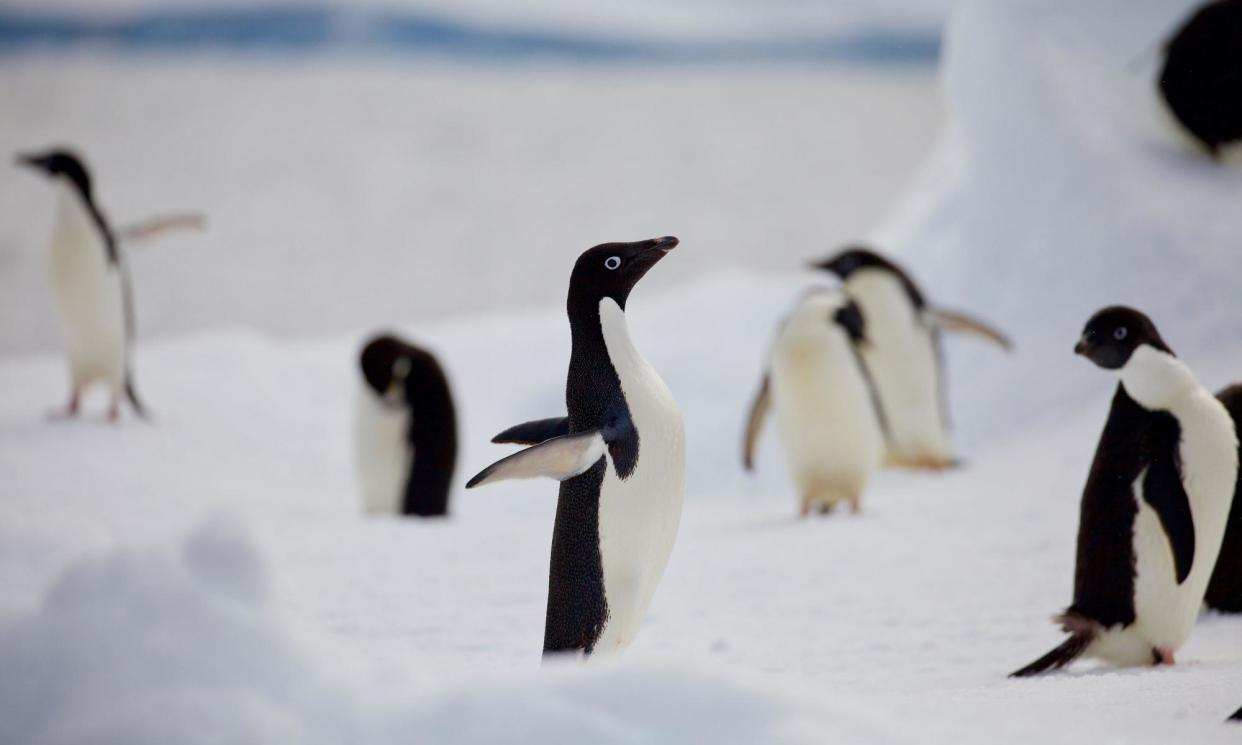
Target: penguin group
{"type": "Point", "coordinates": [855, 378]}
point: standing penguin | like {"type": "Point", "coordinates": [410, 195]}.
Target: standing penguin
{"type": "Point", "coordinates": [1154, 508]}
{"type": "Point", "coordinates": [1201, 79]}
{"type": "Point", "coordinates": [405, 430]}
{"type": "Point", "coordinates": [1224, 592]}
{"type": "Point", "coordinates": [90, 284]}
{"type": "Point", "coordinates": [825, 404]}
{"type": "Point", "coordinates": [904, 356]}
{"type": "Point", "coordinates": [619, 455]}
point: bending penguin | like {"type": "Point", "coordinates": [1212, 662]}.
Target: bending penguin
{"type": "Point", "coordinates": [826, 409]}
{"type": "Point", "coordinates": [619, 455]}
{"type": "Point", "coordinates": [1224, 592]}
{"type": "Point", "coordinates": [1154, 507]}
{"type": "Point", "coordinates": [90, 285]}
{"type": "Point", "coordinates": [1199, 80]}
{"type": "Point", "coordinates": [904, 357]}
{"type": "Point", "coordinates": [405, 430]}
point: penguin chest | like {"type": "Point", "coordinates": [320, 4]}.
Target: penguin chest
{"type": "Point", "coordinates": [88, 294]}
{"type": "Point", "coordinates": [382, 452]}
{"type": "Point", "coordinates": [905, 368]}
{"type": "Point", "coordinates": [826, 415]}
{"type": "Point", "coordinates": [639, 515]}
{"type": "Point", "coordinates": [1165, 608]}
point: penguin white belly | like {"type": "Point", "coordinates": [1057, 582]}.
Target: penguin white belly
{"type": "Point", "coordinates": [382, 452]}
{"type": "Point", "coordinates": [905, 369]}
{"type": "Point", "coordinates": [824, 411]}
{"type": "Point", "coordinates": [638, 517]}
{"type": "Point", "coordinates": [89, 296]}
{"type": "Point", "coordinates": [1165, 611]}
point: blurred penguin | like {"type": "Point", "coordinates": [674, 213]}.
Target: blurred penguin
{"type": "Point", "coordinates": [405, 430]}
{"type": "Point", "coordinates": [826, 406]}
{"type": "Point", "coordinates": [1201, 78]}
{"type": "Point", "coordinates": [904, 356]}
{"type": "Point", "coordinates": [90, 285]}
{"type": "Point", "coordinates": [1224, 591]}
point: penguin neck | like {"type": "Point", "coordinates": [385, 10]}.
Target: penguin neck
{"type": "Point", "coordinates": [601, 341]}
{"type": "Point", "coordinates": [76, 215]}
{"type": "Point", "coordinates": [1157, 380]}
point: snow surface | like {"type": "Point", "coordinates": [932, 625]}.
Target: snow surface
{"type": "Point", "coordinates": [210, 576]}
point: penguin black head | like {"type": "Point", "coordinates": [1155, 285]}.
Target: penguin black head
{"type": "Point", "coordinates": [1199, 79]}
{"type": "Point", "coordinates": [854, 258]}
{"type": "Point", "coordinates": [610, 270]}
{"type": "Point", "coordinates": [60, 163]}
{"type": "Point", "coordinates": [1113, 334]}
{"type": "Point", "coordinates": [850, 318]}
{"type": "Point", "coordinates": [385, 360]}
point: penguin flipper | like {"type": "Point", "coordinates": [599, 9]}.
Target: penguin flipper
{"type": "Point", "coordinates": [961, 323]}
{"type": "Point", "coordinates": [560, 458]}
{"type": "Point", "coordinates": [754, 423]}
{"type": "Point", "coordinates": [1237, 716]}
{"type": "Point", "coordinates": [161, 224]}
{"type": "Point", "coordinates": [533, 433]}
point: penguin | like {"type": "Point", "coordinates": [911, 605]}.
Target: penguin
{"type": "Point", "coordinates": [90, 285]}
{"type": "Point", "coordinates": [826, 407]}
{"type": "Point", "coordinates": [1201, 78]}
{"type": "Point", "coordinates": [1224, 591]}
{"type": "Point", "coordinates": [904, 357]}
{"type": "Point", "coordinates": [1154, 508]}
{"type": "Point", "coordinates": [619, 455]}
{"type": "Point", "coordinates": [405, 430]}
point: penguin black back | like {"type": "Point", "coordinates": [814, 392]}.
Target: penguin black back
{"type": "Point", "coordinates": [1224, 591]}
{"type": "Point", "coordinates": [64, 163]}
{"type": "Point", "coordinates": [387, 361]}
{"type": "Point", "coordinates": [1202, 75]}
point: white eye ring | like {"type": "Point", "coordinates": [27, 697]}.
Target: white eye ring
{"type": "Point", "coordinates": [1120, 333]}
{"type": "Point", "coordinates": [612, 262]}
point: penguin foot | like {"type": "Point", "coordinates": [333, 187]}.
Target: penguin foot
{"type": "Point", "coordinates": [114, 412]}
{"type": "Point", "coordinates": [855, 504]}
{"type": "Point", "coordinates": [1164, 656]}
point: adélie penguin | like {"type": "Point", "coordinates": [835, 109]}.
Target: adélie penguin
{"type": "Point", "coordinates": [904, 356]}
{"type": "Point", "coordinates": [1224, 592]}
{"type": "Point", "coordinates": [1154, 508]}
{"type": "Point", "coordinates": [90, 285]}
{"type": "Point", "coordinates": [620, 458]}
{"type": "Point", "coordinates": [405, 430]}
{"type": "Point", "coordinates": [826, 410]}
{"type": "Point", "coordinates": [1201, 77]}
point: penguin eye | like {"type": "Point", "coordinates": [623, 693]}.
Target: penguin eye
{"type": "Point", "coordinates": [401, 368]}
{"type": "Point", "coordinates": [612, 262]}
{"type": "Point", "coordinates": [1120, 333]}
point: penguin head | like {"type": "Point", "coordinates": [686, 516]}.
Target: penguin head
{"type": "Point", "coordinates": [59, 163]}
{"type": "Point", "coordinates": [610, 270]}
{"type": "Point", "coordinates": [853, 259]}
{"type": "Point", "coordinates": [1112, 335]}
{"type": "Point", "coordinates": [386, 362]}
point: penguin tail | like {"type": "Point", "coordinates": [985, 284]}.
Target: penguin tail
{"type": "Point", "coordinates": [132, 394]}
{"type": "Point", "coordinates": [1082, 631]}
{"type": "Point", "coordinates": [1062, 655]}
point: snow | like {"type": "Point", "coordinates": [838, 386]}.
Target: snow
{"type": "Point", "coordinates": [211, 577]}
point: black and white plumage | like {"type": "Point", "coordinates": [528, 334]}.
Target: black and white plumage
{"type": "Point", "coordinates": [90, 285]}
{"type": "Point", "coordinates": [1154, 508]}
{"type": "Point", "coordinates": [620, 457]}
{"type": "Point", "coordinates": [826, 408]}
{"type": "Point", "coordinates": [405, 430]}
{"type": "Point", "coordinates": [904, 357]}
{"type": "Point", "coordinates": [1224, 592]}
{"type": "Point", "coordinates": [1201, 78]}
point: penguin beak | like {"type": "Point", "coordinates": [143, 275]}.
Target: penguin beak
{"type": "Point", "coordinates": [29, 161]}
{"type": "Point", "coordinates": [665, 244]}
{"type": "Point", "coordinates": [1081, 346]}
